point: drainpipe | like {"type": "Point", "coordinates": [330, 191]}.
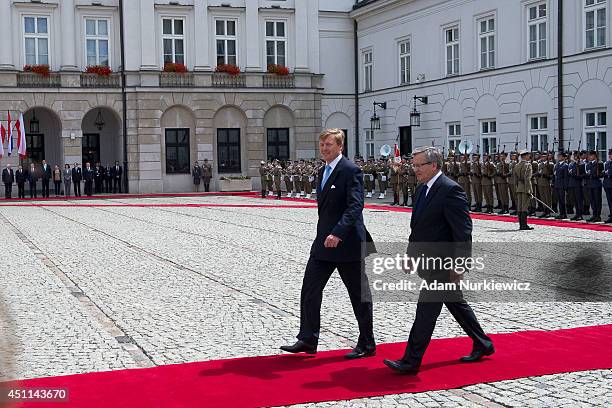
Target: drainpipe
{"type": "Point", "coordinates": [356, 63]}
{"type": "Point", "coordinates": [560, 71]}
{"type": "Point", "coordinates": [124, 99]}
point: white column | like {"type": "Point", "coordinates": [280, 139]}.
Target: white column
{"type": "Point", "coordinates": [251, 36]}
{"type": "Point", "coordinates": [202, 36]}
{"type": "Point", "coordinates": [301, 35]}
{"type": "Point", "coordinates": [132, 35]}
{"type": "Point", "coordinates": [67, 12]}
{"type": "Point", "coordinates": [6, 33]}
{"type": "Point", "coordinates": [149, 57]}
{"type": "Point", "coordinates": [313, 39]}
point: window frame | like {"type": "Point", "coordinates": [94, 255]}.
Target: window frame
{"type": "Point", "coordinates": [540, 132]}
{"type": "Point", "coordinates": [488, 135]}
{"type": "Point", "coordinates": [187, 145]}
{"type": "Point", "coordinates": [455, 47]}
{"type": "Point", "coordinates": [278, 144]}
{"type": "Point", "coordinates": [238, 167]}
{"type": "Point", "coordinates": [97, 38]}
{"type": "Point", "coordinates": [226, 38]}
{"type": "Point", "coordinates": [488, 35]}
{"type": "Point", "coordinates": [369, 143]}
{"type": "Point", "coordinates": [405, 76]}
{"type": "Point", "coordinates": [541, 50]}
{"type": "Point", "coordinates": [36, 37]}
{"type": "Point", "coordinates": [368, 69]}
{"type": "Point", "coordinates": [597, 129]}
{"type": "Point", "coordinates": [276, 39]}
{"type": "Point", "coordinates": [594, 8]}
{"type": "Point", "coordinates": [454, 137]}
{"type": "Point", "coordinates": [173, 37]}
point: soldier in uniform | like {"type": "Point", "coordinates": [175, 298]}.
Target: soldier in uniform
{"type": "Point", "coordinates": [287, 178]}
{"type": "Point", "coordinates": [544, 177]}
{"type": "Point", "coordinates": [382, 168]}
{"type": "Point", "coordinates": [476, 181]}
{"type": "Point", "coordinates": [410, 181]}
{"type": "Point", "coordinates": [497, 193]}
{"type": "Point", "coordinates": [488, 173]}
{"type": "Point", "coordinates": [196, 175]}
{"type": "Point", "coordinates": [277, 173]}
{"type": "Point", "coordinates": [512, 181]}
{"type": "Point", "coordinates": [574, 185]}
{"type": "Point", "coordinates": [270, 178]}
{"type": "Point", "coordinates": [502, 172]}
{"type": "Point", "coordinates": [560, 183]}
{"type": "Point", "coordinates": [305, 184]}
{"type": "Point", "coordinates": [454, 169]}
{"type": "Point", "coordinates": [551, 164]}
{"type": "Point", "coordinates": [594, 171]}
{"type": "Point", "coordinates": [262, 175]}
{"type": "Point", "coordinates": [367, 183]}
{"type": "Point", "coordinates": [523, 188]}
{"type": "Point", "coordinates": [586, 207]}
{"type": "Point", "coordinates": [206, 175]}
{"type": "Point", "coordinates": [464, 178]}
{"type": "Point", "coordinates": [396, 175]}
{"type": "Point", "coordinates": [607, 184]}
{"type": "Point", "coordinates": [535, 205]}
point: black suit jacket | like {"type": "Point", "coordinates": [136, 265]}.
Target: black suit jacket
{"type": "Point", "coordinates": [46, 173]}
{"type": "Point", "coordinates": [340, 207]}
{"type": "Point", "coordinates": [8, 177]}
{"type": "Point", "coordinates": [442, 218]}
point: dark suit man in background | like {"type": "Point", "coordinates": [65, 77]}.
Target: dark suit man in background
{"type": "Point", "coordinates": [45, 176]}
{"type": "Point", "coordinates": [117, 172]}
{"type": "Point", "coordinates": [8, 178]}
{"type": "Point", "coordinates": [88, 176]}
{"type": "Point", "coordinates": [77, 176]}
{"type": "Point", "coordinates": [32, 178]}
{"type": "Point", "coordinates": [20, 178]}
{"type": "Point", "coordinates": [440, 215]}
{"type": "Point", "coordinates": [340, 234]}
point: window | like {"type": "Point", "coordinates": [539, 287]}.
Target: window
{"type": "Point", "coordinates": [452, 50]}
{"type": "Point", "coordinates": [536, 26]}
{"type": "Point", "coordinates": [404, 62]}
{"type": "Point", "coordinates": [367, 71]}
{"type": "Point", "coordinates": [36, 147]}
{"type": "Point", "coordinates": [596, 132]}
{"type": "Point", "coordinates": [453, 135]}
{"type": "Point", "coordinates": [538, 133]}
{"type": "Point", "coordinates": [228, 150]}
{"type": "Point", "coordinates": [173, 39]}
{"type": "Point", "coordinates": [177, 151]}
{"type": "Point", "coordinates": [595, 22]}
{"type": "Point", "coordinates": [278, 144]}
{"type": "Point", "coordinates": [226, 42]}
{"type": "Point", "coordinates": [90, 148]}
{"type": "Point", "coordinates": [488, 135]}
{"type": "Point", "coordinates": [96, 42]}
{"type": "Point", "coordinates": [276, 43]}
{"type": "Point", "coordinates": [369, 143]}
{"type": "Point", "coordinates": [486, 35]}
{"type": "Point", "coordinates": [36, 36]}
{"type": "Point", "coordinates": [405, 139]}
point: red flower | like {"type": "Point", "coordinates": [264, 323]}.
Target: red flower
{"type": "Point", "coordinates": [230, 69]}
{"type": "Point", "coordinates": [99, 69]}
{"type": "Point", "coordinates": [42, 69]}
{"type": "Point", "coordinates": [278, 69]}
{"type": "Point", "coordinates": [172, 67]}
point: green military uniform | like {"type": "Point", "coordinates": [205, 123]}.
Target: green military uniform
{"type": "Point", "coordinates": [524, 189]}
{"type": "Point", "coordinates": [534, 186]}
{"type": "Point", "coordinates": [464, 179]}
{"type": "Point", "coordinates": [269, 179]}
{"type": "Point", "coordinates": [488, 173]}
{"type": "Point", "coordinates": [382, 168]}
{"type": "Point", "coordinates": [544, 177]}
{"type": "Point", "coordinates": [410, 181]}
{"type": "Point", "coordinates": [287, 177]}
{"type": "Point", "coordinates": [395, 174]}
{"type": "Point", "coordinates": [476, 181]}
{"type": "Point", "coordinates": [262, 175]}
{"type": "Point", "coordinates": [501, 181]}
{"type": "Point", "coordinates": [512, 180]}
{"type": "Point", "coordinates": [277, 174]}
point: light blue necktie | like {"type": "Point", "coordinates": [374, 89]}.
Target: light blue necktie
{"type": "Point", "coordinates": [326, 174]}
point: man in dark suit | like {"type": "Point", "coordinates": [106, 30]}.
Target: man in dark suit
{"type": "Point", "coordinates": [88, 176]}
{"type": "Point", "coordinates": [32, 178]}
{"type": "Point", "coordinates": [440, 215]}
{"type": "Point", "coordinates": [99, 177]}
{"type": "Point", "coordinates": [20, 178]}
{"type": "Point", "coordinates": [8, 178]}
{"type": "Point", "coordinates": [45, 177]}
{"type": "Point", "coordinates": [117, 172]}
{"type": "Point", "coordinates": [338, 245]}
{"type": "Point", "coordinates": [77, 176]}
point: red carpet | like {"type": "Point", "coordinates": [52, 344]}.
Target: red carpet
{"type": "Point", "coordinates": [293, 379]}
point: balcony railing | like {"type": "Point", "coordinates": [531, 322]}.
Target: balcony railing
{"type": "Point", "coordinates": [176, 80]}
{"type": "Point", "coordinates": [33, 80]}
{"type": "Point", "coordinates": [99, 81]}
{"type": "Point", "coordinates": [278, 81]}
{"type": "Point", "coordinates": [222, 80]}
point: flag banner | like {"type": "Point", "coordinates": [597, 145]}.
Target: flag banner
{"type": "Point", "coordinates": [397, 158]}
{"type": "Point", "coordinates": [3, 136]}
{"type": "Point", "coordinates": [9, 148]}
{"type": "Point", "coordinates": [21, 137]}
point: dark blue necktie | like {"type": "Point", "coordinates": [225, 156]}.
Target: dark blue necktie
{"type": "Point", "coordinates": [420, 203]}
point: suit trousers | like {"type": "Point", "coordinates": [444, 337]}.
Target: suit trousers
{"type": "Point", "coordinates": [560, 193]}
{"type": "Point", "coordinates": [32, 190]}
{"type": "Point", "coordinates": [609, 198]}
{"type": "Point", "coordinates": [45, 188]}
{"type": "Point", "coordinates": [595, 198]}
{"type": "Point", "coordinates": [8, 189]}
{"type": "Point", "coordinates": [77, 188]}
{"type": "Point", "coordinates": [576, 193]}
{"type": "Point", "coordinates": [428, 310]}
{"type": "Point", "coordinates": [356, 281]}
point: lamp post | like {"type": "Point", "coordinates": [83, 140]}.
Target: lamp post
{"type": "Point", "coordinates": [415, 115]}
{"type": "Point", "coordinates": [99, 122]}
{"type": "Point", "coordinates": [375, 119]}
{"type": "Point", "coordinates": [34, 124]}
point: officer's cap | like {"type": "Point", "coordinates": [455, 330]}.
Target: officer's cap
{"type": "Point", "coordinates": [523, 152]}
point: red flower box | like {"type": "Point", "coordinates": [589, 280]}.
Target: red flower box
{"type": "Point", "coordinates": [230, 69]}
{"type": "Point", "coordinates": [99, 69]}
{"type": "Point", "coordinates": [172, 67]}
{"type": "Point", "coordinates": [278, 69]}
{"type": "Point", "coordinates": [38, 69]}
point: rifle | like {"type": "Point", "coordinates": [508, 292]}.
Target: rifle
{"type": "Point", "coordinates": [516, 145]}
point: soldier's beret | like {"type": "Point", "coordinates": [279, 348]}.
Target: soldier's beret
{"type": "Point", "coordinates": [609, 151]}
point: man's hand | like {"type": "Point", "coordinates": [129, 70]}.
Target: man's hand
{"type": "Point", "coordinates": [331, 241]}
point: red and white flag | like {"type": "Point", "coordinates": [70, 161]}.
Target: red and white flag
{"type": "Point", "coordinates": [21, 137]}
{"type": "Point", "coordinates": [9, 148]}
{"type": "Point", "coordinates": [3, 134]}
{"type": "Point", "coordinates": [398, 156]}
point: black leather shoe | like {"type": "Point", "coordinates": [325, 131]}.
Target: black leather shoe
{"type": "Point", "coordinates": [477, 355]}
{"type": "Point", "coordinates": [400, 367]}
{"type": "Point", "coordinates": [608, 221]}
{"type": "Point", "coordinates": [360, 352]}
{"type": "Point", "coordinates": [300, 347]}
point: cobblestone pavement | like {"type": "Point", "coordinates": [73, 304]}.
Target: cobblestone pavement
{"type": "Point", "coordinates": [103, 288]}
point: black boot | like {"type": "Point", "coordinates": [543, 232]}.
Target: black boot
{"type": "Point", "coordinates": [405, 201]}
{"type": "Point", "coordinates": [263, 193]}
{"type": "Point", "coordinates": [524, 226]}
{"type": "Point", "coordinates": [278, 195]}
